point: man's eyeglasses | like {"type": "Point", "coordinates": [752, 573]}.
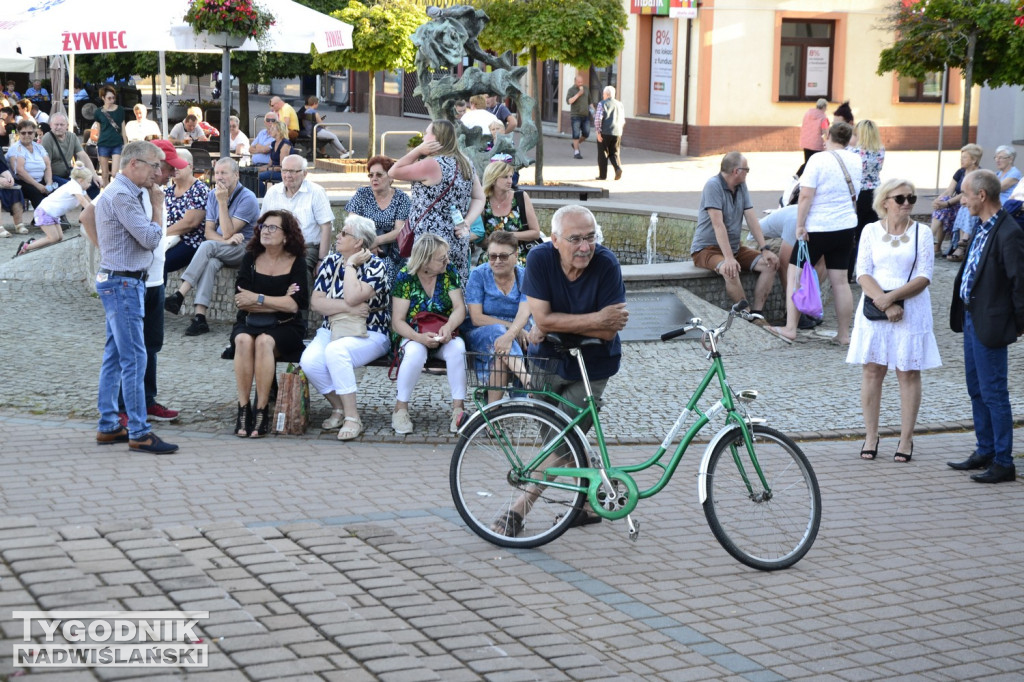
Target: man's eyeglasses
{"type": "Point", "coordinates": [291, 170]}
{"type": "Point", "coordinates": [577, 239]}
{"type": "Point", "coordinates": [155, 165]}
{"type": "Point", "coordinates": [266, 227]}
{"type": "Point", "coordinates": [500, 257]}
{"type": "Point", "coordinates": [901, 198]}
{"type": "Point", "coordinates": [744, 169]}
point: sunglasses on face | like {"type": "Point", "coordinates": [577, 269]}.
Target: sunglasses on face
{"type": "Point", "coordinates": [900, 198]}
{"type": "Point", "coordinates": [500, 257]}
{"type": "Point", "coordinates": [266, 227]}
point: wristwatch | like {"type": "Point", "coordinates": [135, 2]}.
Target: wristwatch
{"type": "Point", "coordinates": [259, 300]}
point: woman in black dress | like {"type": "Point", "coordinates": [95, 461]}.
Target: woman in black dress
{"type": "Point", "coordinates": [271, 297]}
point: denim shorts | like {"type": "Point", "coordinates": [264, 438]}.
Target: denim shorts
{"type": "Point", "coordinates": [108, 152]}
{"type": "Point", "coordinates": [580, 124]}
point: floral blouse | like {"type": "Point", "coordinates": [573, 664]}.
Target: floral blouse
{"type": "Point", "coordinates": [194, 198]}
{"type": "Point", "coordinates": [373, 273]}
{"type": "Point", "coordinates": [408, 287]}
{"type": "Point", "coordinates": [871, 164]}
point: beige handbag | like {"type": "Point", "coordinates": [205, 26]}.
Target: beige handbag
{"type": "Point", "coordinates": [345, 324]}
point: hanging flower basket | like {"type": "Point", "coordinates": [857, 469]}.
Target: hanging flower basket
{"type": "Point", "coordinates": [229, 23]}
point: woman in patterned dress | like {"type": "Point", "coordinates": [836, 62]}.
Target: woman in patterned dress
{"type": "Point", "coordinates": [442, 178]}
{"type": "Point", "coordinates": [867, 144]}
{"type": "Point", "coordinates": [185, 201]}
{"type": "Point", "coordinates": [507, 210]}
{"type": "Point", "coordinates": [387, 207]}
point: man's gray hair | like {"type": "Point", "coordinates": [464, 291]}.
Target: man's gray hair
{"type": "Point", "coordinates": [230, 163]}
{"type": "Point", "coordinates": [1001, 149]}
{"type": "Point", "coordinates": [60, 115]}
{"type": "Point", "coordinates": [731, 162]}
{"type": "Point", "coordinates": [140, 150]}
{"type": "Point", "coordinates": [609, 91]}
{"type": "Point", "coordinates": [985, 181]}
{"type": "Point", "coordinates": [361, 228]}
{"type": "Point", "coordinates": [303, 164]}
{"type": "Point", "coordinates": [574, 209]}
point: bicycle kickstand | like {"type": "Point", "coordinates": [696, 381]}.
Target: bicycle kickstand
{"type": "Point", "coordinates": [634, 528]}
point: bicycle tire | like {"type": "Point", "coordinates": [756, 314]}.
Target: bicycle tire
{"type": "Point", "coordinates": [766, 534]}
{"type": "Point", "coordinates": [484, 485]}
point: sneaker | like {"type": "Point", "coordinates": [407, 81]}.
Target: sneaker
{"type": "Point", "coordinates": [400, 421]}
{"type": "Point", "coordinates": [198, 327]}
{"type": "Point", "coordinates": [152, 444]}
{"type": "Point", "coordinates": [346, 155]}
{"type": "Point", "coordinates": [577, 155]}
{"type": "Point", "coordinates": [111, 437]}
{"type": "Point", "coordinates": [172, 303]}
{"type": "Point", "coordinates": [159, 413]}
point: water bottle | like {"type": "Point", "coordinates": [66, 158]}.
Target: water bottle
{"type": "Point", "coordinates": [458, 221]}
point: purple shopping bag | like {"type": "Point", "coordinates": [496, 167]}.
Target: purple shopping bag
{"type": "Point", "coordinates": [807, 296]}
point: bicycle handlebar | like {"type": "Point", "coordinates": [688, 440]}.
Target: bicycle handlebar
{"type": "Point", "coordinates": [738, 310]}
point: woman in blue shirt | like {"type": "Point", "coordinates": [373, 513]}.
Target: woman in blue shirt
{"type": "Point", "coordinates": [498, 314]}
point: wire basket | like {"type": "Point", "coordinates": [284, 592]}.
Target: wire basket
{"type": "Point", "coordinates": [513, 373]}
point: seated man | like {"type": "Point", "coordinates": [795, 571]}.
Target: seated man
{"type": "Point", "coordinates": [187, 132]}
{"type": "Point", "coordinates": [37, 93]}
{"type": "Point", "coordinates": [231, 212]}
{"type": "Point", "coordinates": [724, 203]}
{"type": "Point", "coordinates": [310, 117]}
{"type": "Point", "coordinates": [261, 145]}
{"type": "Point", "coordinates": [287, 114]}
{"type": "Point", "coordinates": [66, 149]}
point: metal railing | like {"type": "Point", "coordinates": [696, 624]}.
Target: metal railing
{"type": "Point", "coordinates": [328, 126]}
{"type": "Point", "coordinates": [384, 135]}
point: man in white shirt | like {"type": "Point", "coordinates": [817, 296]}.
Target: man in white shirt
{"type": "Point", "coordinates": [188, 130]}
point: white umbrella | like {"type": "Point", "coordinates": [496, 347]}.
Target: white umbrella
{"type": "Point", "coordinates": [14, 62]}
{"type": "Point", "coordinates": [57, 71]}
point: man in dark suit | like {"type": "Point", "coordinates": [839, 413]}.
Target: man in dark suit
{"type": "Point", "coordinates": [988, 307]}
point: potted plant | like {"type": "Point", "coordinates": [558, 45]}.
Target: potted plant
{"type": "Point", "coordinates": [229, 23]}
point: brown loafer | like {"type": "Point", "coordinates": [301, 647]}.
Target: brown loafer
{"type": "Point", "coordinates": [111, 437]}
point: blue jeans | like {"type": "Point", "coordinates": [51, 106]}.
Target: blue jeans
{"type": "Point", "coordinates": [124, 355]}
{"type": "Point", "coordinates": [986, 371]}
{"type": "Point", "coordinates": [153, 337]}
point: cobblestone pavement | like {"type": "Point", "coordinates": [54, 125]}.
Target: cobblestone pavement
{"type": "Point", "coordinates": [321, 562]}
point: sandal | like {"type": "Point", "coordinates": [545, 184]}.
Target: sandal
{"type": "Point", "coordinates": [903, 457]}
{"type": "Point", "coordinates": [777, 333]}
{"type": "Point", "coordinates": [509, 524]}
{"type": "Point", "coordinates": [958, 254]}
{"type": "Point", "coordinates": [334, 421]}
{"type": "Point", "coordinates": [352, 428]}
{"type": "Point", "coordinates": [4, 233]}
{"type": "Point", "coordinates": [869, 454]}
{"type": "Point", "coordinates": [261, 422]}
{"type": "Point", "coordinates": [243, 422]}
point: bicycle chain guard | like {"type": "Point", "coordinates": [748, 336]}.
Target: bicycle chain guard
{"type": "Point", "coordinates": [618, 505]}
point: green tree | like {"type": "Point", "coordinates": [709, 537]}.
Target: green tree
{"type": "Point", "coordinates": [581, 34]}
{"type": "Point", "coordinates": [381, 33]}
{"type": "Point", "coordinates": [977, 36]}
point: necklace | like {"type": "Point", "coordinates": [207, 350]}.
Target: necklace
{"type": "Point", "coordinates": [894, 240]}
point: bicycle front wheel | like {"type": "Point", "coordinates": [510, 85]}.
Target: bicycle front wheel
{"type": "Point", "coordinates": [488, 468]}
{"type": "Point", "coordinates": [764, 529]}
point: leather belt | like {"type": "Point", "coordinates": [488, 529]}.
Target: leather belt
{"type": "Point", "coordinates": [134, 274]}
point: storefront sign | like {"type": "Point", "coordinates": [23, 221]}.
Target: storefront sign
{"type": "Point", "coordinates": [816, 83]}
{"type": "Point", "coordinates": [662, 31]}
{"type": "Point", "coordinates": [673, 9]}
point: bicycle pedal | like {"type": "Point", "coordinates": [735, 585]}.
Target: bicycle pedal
{"type": "Point", "coordinates": [634, 528]}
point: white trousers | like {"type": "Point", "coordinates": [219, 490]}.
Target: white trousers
{"type": "Point", "coordinates": [454, 355]}
{"type": "Point", "coordinates": [330, 365]}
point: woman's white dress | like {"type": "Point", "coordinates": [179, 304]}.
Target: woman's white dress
{"type": "Point", "coordinates": [908, 344]}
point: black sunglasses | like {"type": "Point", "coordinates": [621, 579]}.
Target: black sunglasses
{"type": "Point", "coordinates": [900, 198]}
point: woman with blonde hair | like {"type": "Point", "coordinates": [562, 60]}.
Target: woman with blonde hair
{"type": "Point", "coordinates": [867, 143]}
{"type": "Point", "coordinates": [207, 129]}
{"type": "Point", "coordinates": [446, 193]}
{"type": "Point", "coordinates": [894, 269]}
{"type": "Point", "coordinates": [505, 210]}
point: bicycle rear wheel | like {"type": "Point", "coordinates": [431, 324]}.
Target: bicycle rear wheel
{"type": "Point", "coordinates": [767, 530]}
{"type": "Point", "coordinates": [486, 486]}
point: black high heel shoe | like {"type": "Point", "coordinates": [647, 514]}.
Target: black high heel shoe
{"type": "Point", "coordinates": [243, 422]}
{"type": "Point", "coordinates": [905, 456]}
{"type": "Point", "coordinates": [870, 454]}
{"type": "Point", "coordinates": [261, 422]}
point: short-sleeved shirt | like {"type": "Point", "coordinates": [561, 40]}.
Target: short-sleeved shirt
{"type": "Point", "coordinates": [178, 132]}
{"type": "Point", "coordinates": [832, 208]}
{"type": "Point", "coordinates": [35, 165]}
{"type": "Point", "coordinates": [61, 200]}
{"type": "Point", "coordinates": [373, 273]}
{"type": "Point", "coordinates": [61, 150]}
{"type": "Point", "coordinates": [483, 290]}
{"type": "Point", "coordinates": [732, 204]}
{"type": "Point", "coordinates": [408, 287]}
{"type": "Point", "coordinates": [598, 287]}
{"type": "Point", "coordinates": [581, 107]}
{"type": "Point", "coordinates": [310, 206]}
{"type": "Point", "coordinates": [363, 203]}
{"type": "Point", "coordinates": [262, 138]}
{"type": "Point", "coordinates": [501, 111]}
{"type": "Point", "coordinates": [288, 111]}
{"type": "Point", "coordinates": [140, 130]}
{"type": "Point", "coordinates": [1014, 173]}
{"type": "Point", "coordinates": [194, 199]}
{"type": "Point", "coordinates": [243, 205]}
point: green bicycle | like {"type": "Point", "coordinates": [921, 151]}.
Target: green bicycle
{"type": "Point", "coordinates": [522, 467]}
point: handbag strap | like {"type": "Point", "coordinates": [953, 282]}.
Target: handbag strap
{"type": "Point", "coordinates": [60, 150]}
{"type": "Point", "coordinates": [432, 203]}
{"type": "Point", "coordinates": [914, 264]}
{"type": "Point", "coordinates": [846, 174]}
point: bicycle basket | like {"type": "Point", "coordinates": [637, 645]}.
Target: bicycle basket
{"type": "Point", "coordinates": [514, 373]}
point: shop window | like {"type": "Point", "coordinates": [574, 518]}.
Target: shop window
{"type": "Point", "coordinates": [927, 89]}
{"type": "Point", "coordinates": [391, 82]}
{"type": "Point", "coordinates": [806, 54]}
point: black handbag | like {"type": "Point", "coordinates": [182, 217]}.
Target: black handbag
{"type": "Point", "coordinates": [261, 320]}
{"type": "Point", "coordinates": [870, 310]}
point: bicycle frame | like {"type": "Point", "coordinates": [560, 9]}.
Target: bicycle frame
{"type": "Point", "coordinates": [606, 473]}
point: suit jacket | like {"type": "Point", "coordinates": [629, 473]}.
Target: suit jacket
{"type": "Point", "coordinates": [997, 298]}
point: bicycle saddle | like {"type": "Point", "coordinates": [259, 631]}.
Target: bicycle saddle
{"type": "Point", "coordinates": [563, 341]}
